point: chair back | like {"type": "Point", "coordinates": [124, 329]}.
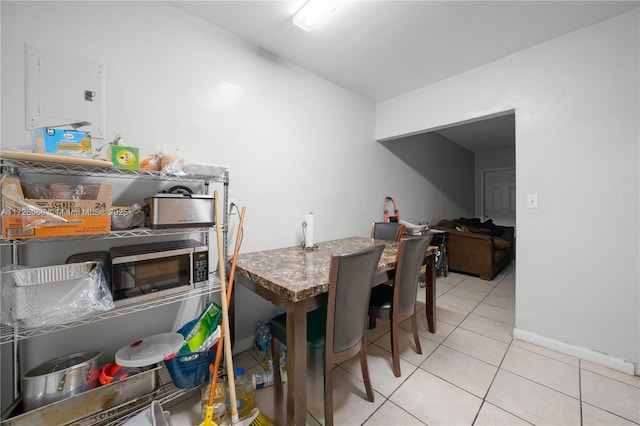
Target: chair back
{"type": "Point", "coordinates": [411, 254]}
{"type": "Point", "coordinates": [391, 231]}
{"type": "Point", "coordinates": [350, 280]}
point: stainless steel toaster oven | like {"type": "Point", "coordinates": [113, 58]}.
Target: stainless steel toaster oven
{"type": "Point", "coordinates": [175, 210]}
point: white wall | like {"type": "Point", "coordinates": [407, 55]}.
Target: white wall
{"type": "Point", "coordinates": [447, 171]}
{"type": "Point", "coordinates": [576, 100]}
{"type": "Point", "coordinates": [293, 141]}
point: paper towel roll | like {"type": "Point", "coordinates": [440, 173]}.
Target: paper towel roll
{"type": "Point", "coordinates": [308, 230]}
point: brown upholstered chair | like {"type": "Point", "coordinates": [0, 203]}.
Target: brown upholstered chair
{"type": "Point", "coordinates": [390, 231]}
{"type": "Point", "coordinates": [339, 329]}
{"type": "Point", "coordinates": [398, 302]}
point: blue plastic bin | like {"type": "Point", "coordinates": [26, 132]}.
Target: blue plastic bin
{"type": "Point", "coordinates": [190, 370]}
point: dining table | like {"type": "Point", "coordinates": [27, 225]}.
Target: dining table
{"type": "Point", "coordinates": [296, 279]}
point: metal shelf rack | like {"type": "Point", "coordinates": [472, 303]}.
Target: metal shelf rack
{"type": "Point", "coordinates": [129, 233]}
{"type": "Point", "coordinates": [166, 392]}
{"type": "Point", "coordinates": [96, 171]}
{"type": "Point", "coordinates": [9, 334]}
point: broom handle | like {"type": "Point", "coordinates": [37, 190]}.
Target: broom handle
{"type": "Point", "coordinates": [225, 316]}
{"type": "Point", "coordinates": [235, 255]}
{"type": "Point", "coordinates": [229, 289]}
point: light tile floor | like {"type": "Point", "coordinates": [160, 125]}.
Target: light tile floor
{"type": "Point", "coordinates": [470, 372]}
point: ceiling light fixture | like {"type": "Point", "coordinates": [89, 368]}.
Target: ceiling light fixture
{"type": "Point", "coordinates": [313, 12]}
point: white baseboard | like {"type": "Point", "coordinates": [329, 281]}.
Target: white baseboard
{"type": "Point", "coordinates": [605, 360]}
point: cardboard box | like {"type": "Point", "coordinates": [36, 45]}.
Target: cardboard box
{"type": "Point", "coordinates": [63, 142]}
{"type": "Point", "coordinates": [125, 157]}
{"type": "Point", "coordinates": [37, 218]}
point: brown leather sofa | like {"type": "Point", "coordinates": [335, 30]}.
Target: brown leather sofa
{"type": "Point", "coordinates": [477, 248]}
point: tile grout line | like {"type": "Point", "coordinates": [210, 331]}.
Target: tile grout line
{"type": "Point", "coordinates": [580, 390]}
{"type": "Point", "coordinates": [499, 367]}
{"type": "Point", "coordinates": [439, 344]}
{"type": "Point", "coordinates": [417, 367]}
{"type": "Point", "coordinates": [484, 399]}
{"type": "Point", "coordinates": [442, 344]}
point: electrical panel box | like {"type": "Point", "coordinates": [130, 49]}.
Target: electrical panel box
{"type": "Point", "coordinates": [64, 91]}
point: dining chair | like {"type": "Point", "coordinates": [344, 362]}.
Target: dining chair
{"type": "Point", "coordinates": [338, 329]}
{"type": "Point", "coordinates": [397, 302]}
{"type": "Point", "coordinates": [391, 231]}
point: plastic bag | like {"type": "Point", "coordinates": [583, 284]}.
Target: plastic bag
{"type": "Point", "coordinates": [150, 162]}
{"type": "Point", "coordinates": [170, 162]}
{"type": "Point", "coordinates": [127, 217]}
{"type": "Point", "coordinates": [199, 169]}
{"type": "Point", "coordinates": [61, 191]}
{"type": "Point", "coordinates": [36, 297]}
{"type": "Point", "coordinates": [204, 332]}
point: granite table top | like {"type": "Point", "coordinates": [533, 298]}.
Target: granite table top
{"type": "Point", "coordinates": [297, 273]}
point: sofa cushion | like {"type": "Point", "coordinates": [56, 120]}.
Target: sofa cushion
{"type": "Point", "coordinates": [447, 223]}
{"type": "Point", "coordinates": [484, 231]}
{"type": "Point", "coordinates": [470, 222]}
{"type": "Point", "coordinates": [494, 230]}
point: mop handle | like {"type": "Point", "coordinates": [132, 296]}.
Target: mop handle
{"type": "Point", "coordinates": [229, 289]}
{"type": "Point", "coordinates": [235, 254]}
{"type": "Point", "coordinates": [225, 316]}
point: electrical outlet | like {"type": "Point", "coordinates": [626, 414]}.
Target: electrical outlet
{"type": "Point", "coordinates": [532, 201]}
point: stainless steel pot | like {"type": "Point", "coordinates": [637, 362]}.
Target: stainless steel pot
{"type": "Point", "coordinates": [60, 378]}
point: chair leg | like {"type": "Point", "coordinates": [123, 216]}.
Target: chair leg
{"type": "Point", "coordinates": [414, 328]}
{"type": "Point", "coordinates": [277, 378]}
{"type": "Point", "coordinates": [328, 392]}
{"type": "Point", "coordinates": [395, 351]}
{"type": "Point", "coordinates": [372, 322]}
{"type": "Point", "coordinates": [364, 366]}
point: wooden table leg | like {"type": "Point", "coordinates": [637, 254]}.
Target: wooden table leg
{"type": "Point", "coordinates": [430, 287]}
{"type": "Point", "coordinates": [296, 365]}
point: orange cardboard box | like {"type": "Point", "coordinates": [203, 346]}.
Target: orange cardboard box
{"type": "Point", "coordinates": [40, 218]}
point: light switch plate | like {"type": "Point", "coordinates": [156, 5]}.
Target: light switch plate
{"type": "Point", "coordinates": [532, 201]}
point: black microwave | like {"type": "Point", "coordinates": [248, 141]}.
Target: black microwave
{"type": "Point", "coordinates": [148, 270]}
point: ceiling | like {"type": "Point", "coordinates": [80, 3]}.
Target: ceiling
{"type": "Point", "coordinates": [381, 49]}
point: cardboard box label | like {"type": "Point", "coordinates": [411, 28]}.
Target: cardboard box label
{"type": "Point", "coordinates": [63, 142]}
{"type": "Point", "coordinates": [36, 218]}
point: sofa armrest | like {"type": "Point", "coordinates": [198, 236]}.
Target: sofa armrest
{"type": "Point", "coordinates": [508, 233]}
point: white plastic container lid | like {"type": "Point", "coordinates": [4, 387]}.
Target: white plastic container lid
{"type": "Point", "coordinates": [149, 350]}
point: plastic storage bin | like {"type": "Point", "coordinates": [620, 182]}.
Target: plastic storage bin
{"type": "Point", "coordinates": [190, 370]}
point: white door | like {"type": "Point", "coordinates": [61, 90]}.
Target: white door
{"type": "Point", "coordinates": [499, 197]}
